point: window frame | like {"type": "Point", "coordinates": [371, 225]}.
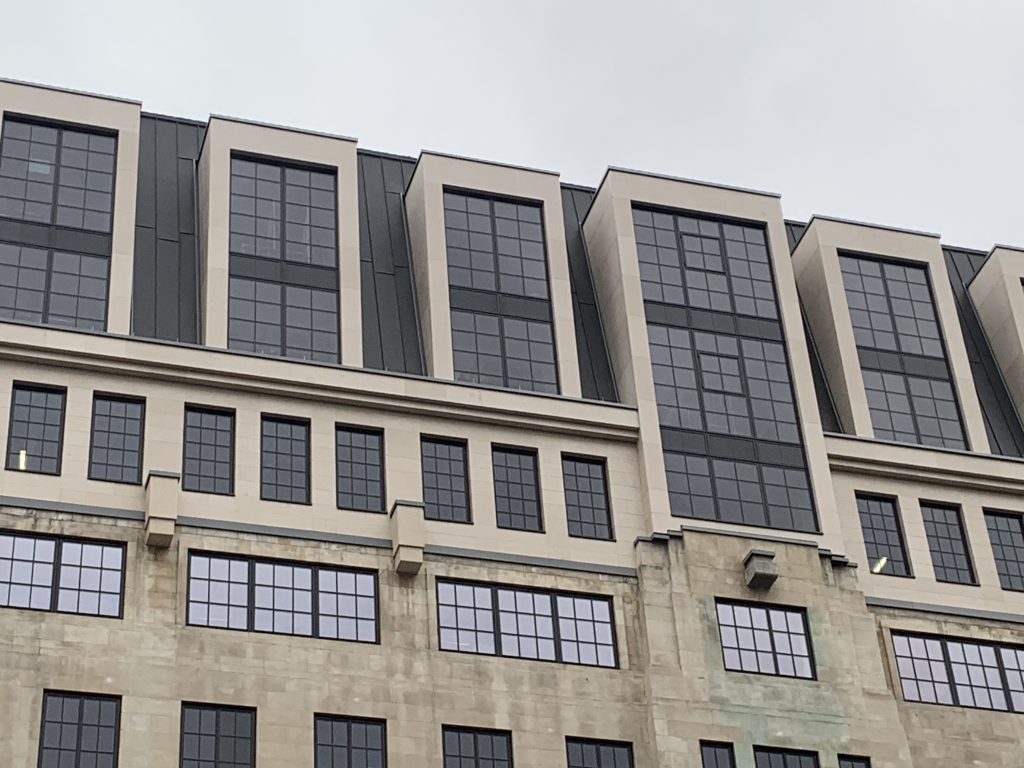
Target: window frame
{"type": "Point", "coordinates": [364, 430]}
{"type": "Point", "coordinates": [82, 696]}
{"type": "Point", "coordinates": [220, 411]}
{"type": "Point", "coordinates": [136, 399]}
{"type": "Point", "coordinates": [218, 708]}
{"type": "Point", "coordinates": [805, 616]}
{"type": "Point", "coordinates": [787, 752]}
{"type": "Point", "coordinates": [853, 761]}
{"type": "Point", "coordinates": [988, 513]}
{"type": "Point", "coordinates": [533, 453]}
{"type": "Point", "coordinates": [58, 542]}
{"type": "Point", "coordinates": [615, 743]}
{"type": "Point", "coordinates": [55, 389]}
{"type": "Point", "coordinates": [900, 529]}
{"type": "Point", "coordinates": [250, 610]}
{"type": "Point", "coordinates": [446, 727]}
{"type": "Point", "coordinates": [726, 745]}
{"type": "Point", "coordinates": [464, 444]}
{"type": "Point", "coordinates": [295, 421]}
{"type": "Point", "coordinates": [593, 459]}
{"type": "Point", "coordinates": [958, 510]}
{"type": "Point", "coordinates": [334, 718]}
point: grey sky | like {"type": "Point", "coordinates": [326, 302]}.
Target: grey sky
{"type": "Point", "coordinates": [904, 113]}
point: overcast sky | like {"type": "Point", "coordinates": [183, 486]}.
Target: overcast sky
{"type": "Point", "coordinates": [902, 113]}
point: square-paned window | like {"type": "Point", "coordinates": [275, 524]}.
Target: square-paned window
{"type": "Point", "coordinates": [349, 742]}
{"type": "Point", "coordinates": [347, 605]}
{"type": "Point", "coordinates": [208, 465]}
{"type": "Point", "coordinates": [115, 453]}
{"type": "Point", "coordinates": [54, 287]}
{"type": "Point", "coordinates": [466, 617]}
{"type": "Point", "coordinates": [590, 753]}
{"type": "Point", "coordinates": [282, 598]}
{"type": "Point", "coordinates": [215, 736]}
{"type": "Point", "coordinates": [516, 489]}
{"type": "Point", "coordinates": [526, 624]}
{"type": "Point", "coordinates": [218, 592]}
{"type": "Point", "coordinates": [883, 535]}
{"type": "Point", "coordinates": [587, 630]}
{"type": "Point", "coordinates": [717, 755]}
{"type": "Point", "coordinates": [360, 465]}
{"type": "Point", "coordinates": [587, 506]}
{"type": "Point", "coordinates": [476, 748]}
{"type": "Point", "coordinates": [78, 730]}
{"type": "Point", "coordinates": [849, 761]}
{"type": "Point", "coordinates": [288, 320]}
{"type": "Point", "coordinates": [284, 469]}
{"type": "Point", "coordinates": [947, 541]}
{"type": "Point", "coordinates": [766, 757]}
{"type": "Point", "coordinates": [1006, 532]}
{"type": "Point", "coordinates": [769, 640]}
{"type": "Point", "coordinates": [504, 351]}
{"type": "Point", "coordinates": [445, 480]}
{"type": "Point", "coordinates": [36, 433]}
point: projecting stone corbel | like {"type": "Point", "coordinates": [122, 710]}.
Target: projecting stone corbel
{"type": "Point", "coordinates": [163, 495]}
{"type": "Point", "coordinates": [408, 536]}
{"type": "Point", "coordinates": [759, 569]}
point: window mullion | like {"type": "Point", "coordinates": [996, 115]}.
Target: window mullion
{"type": "Point", "coordinates": [315, 600]}
{"type": "Point", "coordinates": [944, 646]}
{"type": "Point", "coordinates": [250, 591]}
{"type": "Point", "coordinates": [58, 555]}
{"type": "Point", "coordinates": [556, 622]}
{"type": "Point", "coordinates": [495, 623]}
{"type": "Point", "coordinates": [997, 649]}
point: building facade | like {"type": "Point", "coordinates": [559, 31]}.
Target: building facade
{"type": "Point", "coordinates": [317, 456]}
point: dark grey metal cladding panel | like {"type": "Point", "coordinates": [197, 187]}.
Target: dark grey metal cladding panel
{"type": "Point", "coordinates": [596, 377]}
{"type": "Point", "coordinates": [1003, 425]}
{"type": "Point", "coordinates": [166, 279]}
{"type": "Point", "coordinates": [391, 337]}
{"type": "Point", "coordinates": [794, 231]}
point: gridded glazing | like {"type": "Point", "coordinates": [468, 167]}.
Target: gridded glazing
{"type": "Point", "coordinates": [784, 758]}
{"type": "Point", "coordinates": [586, 498]}
{"type": "Point", "coordinates": [360, 465]}
{"type": "Point", "coordinates": [767, 640]}
{"type": "Point", "coordinates": [218, 592]}
{"type": "Point", "coordinates": [60, 288]}
{"type": "Point", "coordinates": [714, 755]}
{"type": "Point", "coordinates": [287, 320]}
{"type": "Point", "coordinates": [977, 678]}
{"type": "Point", "coordinates": [85, 181]}
{"type": "Point", "coordinates": [27, 571]}
{"type": "Point", "coordinates": [516, 489]}
{"type": "Point", "coordinates": [471, 748]}
{"type": "Point", "coordinates": [526, 624]}
{"type": "Point", "coordinates": [28, 171]}
{"type": "Point", "coordinates": [347, 605]}
{"type": "Point", "coordinates": [503, 351]}
{"type": "Point", "coordinates": [675, 377]}
{"type": "Point", "coordinates": [282, 598]}
{"type": "Point", "coordinates": [477, 348]}
{"type": "Point", "coordinates": [1006, 532]}
{"type": "Point", "coordinates": [90, 578]}
{"type": "Point", "coordinates": [217, 737]}
{"type": "Point", "coordinates": [209, 451]}
{"type": "Point", "coordinates": [913, 409]}
{"type": "Point", "coordinates": [587, 753]}
{"type": "Point", "coordinates": [37, 429]}
{"type": "Point", "coordinates": [947, 541]}
{"type": "Point", "coordinates": [445, 480]}
{"type": "Point", "coordinates": [284, 466]}
{"type": "Point", "coordinates": [921, 662]}
{"type": "Point", "coordinates": [494, 245]}
{"type": "Point", "coordinates": [465, 615]}
{"type": "Point", "coordinates": [346, 742]}
{"type": "Point", "coordinates": [23, 282]}
{"type": "Point", "coordinates": [883, 535]}
{"type": "Point", "coordinates": [79, 731]}
{"type": "Point", "coordinates": [586, 630]}
{"type": "Point", "coordinates": [303, 230]}
{"type": "Point", "coordinates": [115, 453]}
{"type": "Point", "coordinates": [704, 264]}
{"type": "Point", "coordinates": [845, 761]}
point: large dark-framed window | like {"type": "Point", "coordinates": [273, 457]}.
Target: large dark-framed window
{"type": "Point", "coordinates": [884, 539]}
{"type": "Point", "coordinates": [852, 761]}
{"type": "Point", "coordinates": [907, 376]}
{"type": "Point", "coordinates": [727, 409]}
{"type": "Point", "coordinates": [79, 729]}
{"type": "Point", "coordinates": [445, 468]}
{"type": "Point", "coordinates": [283, 294]}
{"type": "Point", "coordinates": [517, 489]}
{"type": "Point", "coordinates": [501, 315]}
{"type": "Point", "coordinates": [349, 742]}
{"type": "Point", "coordinates": [526, 623]}
{"type": "Point", "coordinates": [476, 747]}
{"type": "Point", "coordinates": [594, 753]}
{"type": "Point", "coordinates": [208, 460]}
{"type": "Point", "coordinates": [1006, 533]}
{"type": "Point", "coordinates": [282, 597]}
{"type": "Point", "coordinates": [62, 574]}
{"type": "Point", "coordinates": [359, 454]}
{"type": "Point", "coordinates": [57, 196]}
{"type": "Point", "coordinates": [960, 672]}
{"type": "Point", "coordinates": [117, 438]}
{"type": "Point", "coordinates": [35, 435]}
{"type": "Point", "coordinates": [766, 639]}
{"type": "Point", "coordinates": [285, 459]}
{"type": "Point", "coordinates": [217, 736]}
{"type": "Point", "coordinates": [717, 754]}
{"type": "Point", "coordinates": [587, 500]}
{"type": "Point", "coordinates": [948, 544]}
{"type": "Point", "coordinates": [771, 757]}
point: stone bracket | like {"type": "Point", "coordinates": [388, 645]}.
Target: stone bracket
{"type": "Point", "coordinates": [163, 499]}
{"type": "Point", "coordinates": [759, 569]}
{"type": "Point", "coordinates": [408, 536]}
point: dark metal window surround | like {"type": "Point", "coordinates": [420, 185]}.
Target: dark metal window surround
{"type": "Point", "coordinates": [526, 623]}
{"type": "Point", "coordinates": [285, 464]}
{"type": "Point", "coordinates": [283, 292]}
{"type": "Point", "coordinates": [79, 729]}
{"type": "Point", "coordinates": [587, 505]}
{"type": "Point", "coordinates": [947, 541]}
{"type": "Point", "coordinates": [350, 742]}
{"type": "Point", "coordinates": [60, 574]}
{"type": "Point", "coordinates": [517, 489]}
{"type": "Point", "coordinates": [208, 464]}
{"type": "Point", "coordinates": [729, 423]}
{"type": "Point", "coordinates": [215, 736]}
{"type": "Point", "coordinates": [769, 639]}
{"type": "Point", "coordinates": [57, 183]}
{"type": "Point", "coordinates": [35, 438]}
{"type": "Point", "coordinates": [1006, 532]}
{"type": "Point", "coordinates": [717, 755]}
{"type": "Point", "coordinates": [502, 332]}
{"type": "Point", "coordinates": [952, 671]}
{"type": "Point", "coordinates": [476, 748]}
{"type": "Point", "coordinates": [848, 761]}
{"type": "Point", "coordinates": [768, 757]}
{"type": "Point", "coordinates": [118, 428]}
{"type": "Point", "coordinates": [360, 465]}
{"type": "Point", "coordinates": [282, 597]}
{"type": "Point", "coordinates": [903, 358]}
{"type": "Point", "coordinates": [883, 535]}
{"type": "Point", "coordinates": [589, 753]}
{"type": "Point", "coordinates": [445, 480]}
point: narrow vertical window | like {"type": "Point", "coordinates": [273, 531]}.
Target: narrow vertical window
{"type": "Point", "coordinates": [1006, 532]}
{"type": "Point", "coordinates": [349, 742]}
{"type": "Point", "coordinates": [217, 737]}
{"type": "Point", "coordinates": [883, 535]}
{"type": "Point", "coordinates": [360, 459]}
{"type": "Point", "coordinates": [115, 454]}
{"type": "Point", "coordinates": [79, 729]}
{"type": "Point", "coordinates": [284, 470]}
{"type": "Point", "coordinates": [517, 489]}
{"type": "Point", "coordinates": [445, 480]}
{"type": "Point", "coordinates": [587, 506]}
{"type": "Point", "coordinates": [208, 465]}
{"type": "Point", "coordinates": [36, 437]}
{"type": "Point", "coordinates": [947, 541]}
{"type": "Point", "coordinates": [476, 748]}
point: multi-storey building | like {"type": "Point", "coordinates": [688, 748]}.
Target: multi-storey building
{"type": "Point", "coordinates": [317, 456]}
